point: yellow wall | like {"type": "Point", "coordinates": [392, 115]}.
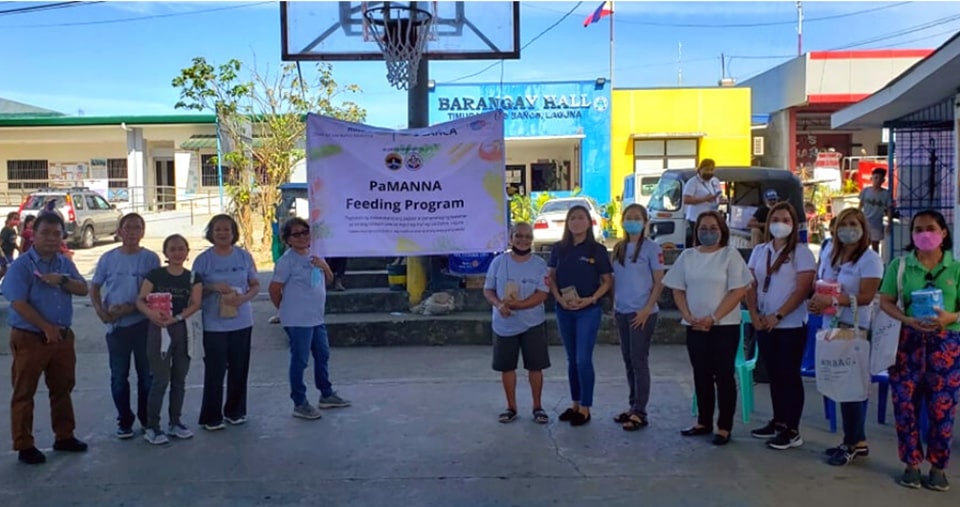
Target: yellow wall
{"type": "Point", "coordinates": [723, 114]}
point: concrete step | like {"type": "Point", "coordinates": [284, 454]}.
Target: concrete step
{"type": "Point", "coordinates": [461, 328]}
{"type": "Point", "coordinates": [366, 300]}
{"type": "Point", "coordinates": [366, 279]}
{"type": "Point", "coordinates": [472, 300]}
{"type": "Point", "coordinates": [368, 263]}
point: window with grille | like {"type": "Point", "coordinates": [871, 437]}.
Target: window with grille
{"type": "Point", "coordinates": [208, 172]}
{"type": "Point", "coordinates": [654, 154]}
{"type": "Point", "coordinates": [27, 174]}
{"type": "Point", "coordinates": [117, 172]}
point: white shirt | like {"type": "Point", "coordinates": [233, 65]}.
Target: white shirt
{"type": "Point", "coordinates": [783, 282]}
{"type": "Point", "coordinates": [849, 274]}
{"type": "Point", "coordinates": [696, 187]}
{"type": "Point", "coordinates": [707, 278]}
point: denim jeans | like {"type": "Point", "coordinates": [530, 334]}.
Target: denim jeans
{"type": "Point", "coordinates": [853, 415]}
{"type": "Point", "coordinates": [578, 330]}
{"type": "Point", "coordinates": [122, 343]}
{"type": "Point", "coordinates": [306, 342]}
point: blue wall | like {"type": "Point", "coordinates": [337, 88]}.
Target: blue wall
{"type": "Point", "coordinates": [541, 109]}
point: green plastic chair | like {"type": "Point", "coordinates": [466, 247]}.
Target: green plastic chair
{"type": "Point", "coordinates": [744, 369]}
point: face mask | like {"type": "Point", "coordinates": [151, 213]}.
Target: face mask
{"type": "Point", "coordinates": [848, 235]}
{"type": "Point", "coordinates": [521, 253]}
{"type": "Point", "coordinates": [780, 230]}
{"type": "Point", "coordinates": [633, 226]}
{"type": "Point", "coordinates": [708, 238]}
{"type": "Point", "coordinates": [926, 241]}
{"type": "Point", "coordinates": [706, 176]}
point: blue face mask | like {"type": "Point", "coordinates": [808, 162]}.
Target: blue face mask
{"type": "Point", "coordinates": [633, 226]}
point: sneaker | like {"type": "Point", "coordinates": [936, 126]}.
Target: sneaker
{"type": "Point", "coordinates": [69, 445]}
{"type": "Point", "coordinates": [844, 454]}
{"type": "Point", "coordinates": [842, 448]}
{"type": "Point", "coordinates": [332, 401]}
{"type": "Point", "coordinates": [911, 478]}
{"type": "Point", "coordinates": [124, 433]}
{"type": "Point", "coordinates": [31, 456]}
{"type": "Point", "coordinates": [236, 421]}
{"type": "Point", "coordinates": [155, 437]}
{"type": "Point", "coordinates": [938, 481]}
{"type": "Point", "coordinates": [766, 432]}
{"type": "Point", "coordinates": [338, 285]}
{"type": "Point", "coordinates": [784, 440]}
{"type": "Point", "coordinates": [180, 431]}
{"type": "Point", "coordinates": [214, 427]}
{"type": "Point", "coordinates": [306, 411]}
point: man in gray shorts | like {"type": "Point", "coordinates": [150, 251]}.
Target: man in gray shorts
{"type": "Point", "coordinates": [516, 287]}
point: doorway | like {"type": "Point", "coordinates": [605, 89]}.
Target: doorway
{"type": "Point", "coordinates": [165, 184]}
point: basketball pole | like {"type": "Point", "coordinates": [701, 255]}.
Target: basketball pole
{"type": "Point", "coordinates": [418, 116]}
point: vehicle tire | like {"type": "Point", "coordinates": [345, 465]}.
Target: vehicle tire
{"type": "Point", "coordinates": [86, 237]}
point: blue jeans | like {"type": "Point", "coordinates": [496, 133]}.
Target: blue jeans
{"type": "Point", "coordinates": [123, 342]}
{"type": "Point", "coordinates": [304, 342]}
{"type": "Point", "coordinates": [854, 417]}
{"type": "Point", "coordinates": [578, 330]}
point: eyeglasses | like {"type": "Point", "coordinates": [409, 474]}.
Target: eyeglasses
{"type": "Point", "coordinates": [523, 236]}
{"type": "Point", "coordinates": [300, 234]}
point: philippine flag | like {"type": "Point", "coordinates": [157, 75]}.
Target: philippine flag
{"type": "Point", "coordinates": [605, 9]}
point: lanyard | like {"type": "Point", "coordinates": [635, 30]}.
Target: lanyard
{"type": "Point", "coordinates": [932, 277]}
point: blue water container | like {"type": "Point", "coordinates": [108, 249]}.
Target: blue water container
{"type": "Point", "coordinates": [470, 264]}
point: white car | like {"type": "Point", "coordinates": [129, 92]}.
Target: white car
{"type": "Point", "coordinates": [549, 224]}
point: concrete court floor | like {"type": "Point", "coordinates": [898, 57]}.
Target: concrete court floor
{"type": "Point", "coordinates": [423, 432]}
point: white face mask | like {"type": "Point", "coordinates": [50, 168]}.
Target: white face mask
{"type": "Point", "coordinates": [780, 230]}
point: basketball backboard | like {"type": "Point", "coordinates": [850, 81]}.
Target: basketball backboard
{"type": "Point", "coordinates": [339, 31]}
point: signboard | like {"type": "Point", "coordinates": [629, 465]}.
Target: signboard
{"type": "Point", "coordinates": [381, 192]}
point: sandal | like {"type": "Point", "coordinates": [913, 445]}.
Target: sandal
{"type": "Point", "coordinates": [622, 417]}
{"type": "Point", "coordinates": [635, 422]}
{"type": "Point", "coordinates": [540, 416]}
{"type": "Point", "coordinates": [508, 416]}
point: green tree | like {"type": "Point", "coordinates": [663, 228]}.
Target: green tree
{"type": "Point", "coordinates": [262, 115]}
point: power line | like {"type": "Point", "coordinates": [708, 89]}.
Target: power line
{"type": "Point", "coordinates": [531, 41]}
{"type": "Point", "coordinates": [138, 18]}
{"type": "Point", "coordinates": [44, 7]}
{"type": "Point", "coordinates": [899, 33]}
{"type": "Point", "coordinates": [742, 25]}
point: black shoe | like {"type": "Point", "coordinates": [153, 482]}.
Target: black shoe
{"type": "Point", "coordinates": [696, 431]}
{"type": "Point", "coordinates": [579, 419]}
{"type": "Point", "coordinates": [567, 415]}
{"type": "Point", "coordinates": [768, 431]}
{"type": "Point", "coordinates": [719, 440]}
{"type": "Point", "coordinates": [32, 456]}
{"type": "Point", "coordinates": [70, 445]}
{"type": "Point", "coordinates": [786, 439]}
{"type": "Point", "coordinates": [844, 454]}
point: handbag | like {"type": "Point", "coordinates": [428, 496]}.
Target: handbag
{"type": "Point", "coordinates": [885, 330]}
{"type": "Point", "coordinates": [194, 324]}
{"type": "Point", "coordinates": [842, 362]}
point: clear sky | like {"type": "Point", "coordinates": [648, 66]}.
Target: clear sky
{"type": "Point", "coordinates": [119, 57]}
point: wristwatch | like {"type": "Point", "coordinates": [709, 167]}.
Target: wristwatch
{"type": "Point", "coordinates": [779, 316]}
{"type": "Point", "coordinates": [179, 317]}
{"type": "Point", "coordinates": [63, 280]}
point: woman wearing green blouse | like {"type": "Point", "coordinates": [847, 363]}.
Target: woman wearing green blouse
{"type": "Point", "coordinates": [926, 375]}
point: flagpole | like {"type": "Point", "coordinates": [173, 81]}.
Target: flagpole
{"type": "Point", "coordinates": [613, 12]}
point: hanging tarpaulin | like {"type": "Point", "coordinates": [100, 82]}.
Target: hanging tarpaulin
{"type": "Point", "coordinates": [380, 192]}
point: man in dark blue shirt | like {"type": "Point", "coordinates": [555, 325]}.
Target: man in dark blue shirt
{"type": "Point", "coordinates": [40, 286]}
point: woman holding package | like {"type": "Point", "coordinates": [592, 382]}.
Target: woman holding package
{"type": "Point", "coordinates": [926, 375]}
{"type": "Point", "coordinates": [855, 270]}
{"type": "Point", "coordinates": [783, 271]}
{"type": "Point", "coordinates": [229, 283]}
{"type": "Point", "coordinates": [708, 282]}
{"type": "Point", "coordinates": [169, 359]}
{"type": "Point", "coordinates": [637, 282]}
{"type": "Point", "coordinates": [580, 274]}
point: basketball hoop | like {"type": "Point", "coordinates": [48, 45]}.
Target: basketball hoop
{"type": "Point", "coordinates": [402, 33]}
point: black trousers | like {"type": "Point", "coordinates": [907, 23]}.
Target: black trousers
{"type": "Point", "coordinates": [712, 355]}
{"type": "Point", "coordinates": [338, 265]}
{"type": "Point", "coordinates": [782, 352]}
{"type": "Point", "coordinates": [225, 354]}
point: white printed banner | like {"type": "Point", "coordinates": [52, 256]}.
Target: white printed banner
{"type": "Point", "coordinates": [380, 192]}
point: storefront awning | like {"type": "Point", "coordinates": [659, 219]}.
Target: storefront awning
{"type": "Point", "coordinates": [207, 142]}
{"type": "Point", "coordinates": [930, 81]}
{"type": "Point", "coordinates": [667, 135]}
{"type": "Point", "coordinates": [546, 138]}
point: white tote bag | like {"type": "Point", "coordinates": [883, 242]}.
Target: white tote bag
{"type": "Point", "coordinates": [194, 325]}
{"type": "Point", "coordinates": [885, 330]}
{"type": "Point", "coordinates": [842, 363]}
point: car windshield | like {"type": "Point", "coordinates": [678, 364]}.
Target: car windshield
{"type": "Point", "coordinates": [561, 206]}
{"type": "Point", "coordinates": [36, 201]}
{"type": "Point", "coordinates": [668, 194]}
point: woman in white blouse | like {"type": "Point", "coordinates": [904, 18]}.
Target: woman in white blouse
{"type": "Point", "coordinates": [708, 283]}
{"type": "Point", "coordinates": [850, 262]}
{"type": "Point", "coordinates": [783, 271]}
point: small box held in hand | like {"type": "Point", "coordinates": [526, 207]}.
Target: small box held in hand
{"type": "Point", "coordinates": [569, 294]}
{"type": "Point", "coordinates": [828, 288]}
{"type": "Point", "coordinates": [161, 302]}
{"type": "Point", "coordinates": [924, 302]}
{"type": "Point", "coordinates": [512, 291]}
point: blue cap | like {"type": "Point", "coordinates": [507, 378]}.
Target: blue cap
{"type": "Point", "coordinates": [771, 195]}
